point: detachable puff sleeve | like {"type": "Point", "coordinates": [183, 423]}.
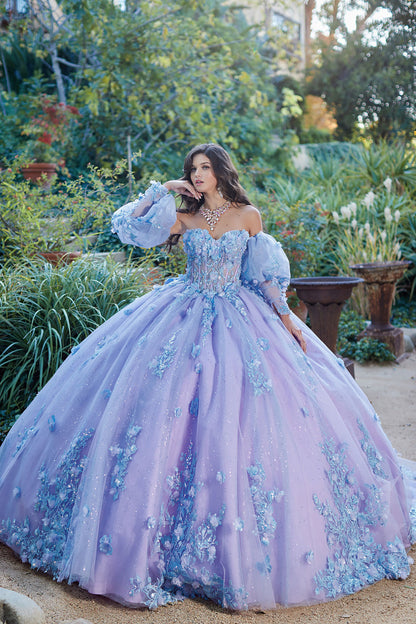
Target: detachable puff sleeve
{"type": "Point", "coordinates": [147, 221]}
{"type": "Point", "coordinates": [265, 269]}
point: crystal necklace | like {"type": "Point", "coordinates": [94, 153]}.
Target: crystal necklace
{"type": "Point", "coordinates": [213, 216]}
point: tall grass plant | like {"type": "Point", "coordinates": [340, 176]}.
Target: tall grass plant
{"type": "Point", "coordinates": [46, 311]}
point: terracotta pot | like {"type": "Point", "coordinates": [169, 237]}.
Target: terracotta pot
{"type": "Point", "coordinates": [324, 298]}
{"type": "Point", "coordinates": [36, 170]}
{"type": "Point", "coordinates": [57, 258]}
{"type": "Point", "coordinates": [380, 280]}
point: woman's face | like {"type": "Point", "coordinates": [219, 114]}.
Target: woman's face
{"type": "Point", "coordinates": [202, 174]}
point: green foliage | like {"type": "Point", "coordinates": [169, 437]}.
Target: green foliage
{"type": "Point", "coordinates": [369, 80]}
{"type": "Point", "coordinates": [404, 314]}
{"type": "Point", "coordinates": [407, 234]}
{"type": "Point", "coordinates": [295, 220]}
{"type": "Point", "coordinates": [151, 73]}
{"type": "Point", "coordinates": [367, 229]}
{"type": "Point", "coordinates": [32, 220]}
{"type": "Point", "coordinates": [368, 349]}
{"type": "Point", "coordinates": [315, 135]}
{"type": "Point", "coordinates": [45, 312]}
{"type": "Point", "coordinates": [6, 423]}
{"type": "Point", "coordinates": [339, 183]}
{"type": "Point", "coordinates": [373, 165]}
{"type": "Point", "coordinates": [48, 129]}
{"type": "Point", "coordinates": [338, 151]}
{"type": "Point", "coordinates": [361, 350]}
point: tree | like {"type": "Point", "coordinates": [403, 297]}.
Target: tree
{"type": "Point", "coordinates": [368, 77]}
{"type": "Point", "coordinates": [163, 75]}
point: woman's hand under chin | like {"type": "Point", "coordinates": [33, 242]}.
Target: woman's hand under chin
{"type": "Point", "coordinates": [183, 187]}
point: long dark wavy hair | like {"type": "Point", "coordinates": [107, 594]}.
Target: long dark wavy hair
{"type": "Point", "coordinates": [227, 178]}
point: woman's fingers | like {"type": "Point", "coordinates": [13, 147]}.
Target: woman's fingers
{"type": "Point", "coordinates": [299, 337]}
{"type": "Point", "coordinates": [183, 187]}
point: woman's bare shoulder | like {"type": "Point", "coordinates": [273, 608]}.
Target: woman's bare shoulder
{"type": "Point", "coordinates": [252, 218]}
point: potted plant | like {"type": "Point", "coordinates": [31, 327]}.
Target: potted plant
{"type": "Point", "coordinates": [48, 135]}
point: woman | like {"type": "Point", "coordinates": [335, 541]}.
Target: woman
{"type": "Point", "coordinates": [203, 441]}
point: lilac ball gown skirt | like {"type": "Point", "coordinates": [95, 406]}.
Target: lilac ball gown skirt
{"type": "Point", "coordinates": [188, 447]}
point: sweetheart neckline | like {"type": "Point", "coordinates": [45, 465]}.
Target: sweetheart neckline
{"type": "Point", "coordinates": [215, 239]}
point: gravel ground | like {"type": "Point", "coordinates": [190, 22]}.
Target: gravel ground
{"type": "Point", "coordinates": [392, 390]}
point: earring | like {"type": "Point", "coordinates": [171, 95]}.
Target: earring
{"type": "Point", "coordinates": [219, 191]}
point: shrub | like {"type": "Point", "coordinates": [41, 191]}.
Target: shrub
{"type": "Point", "coordinates": [365, 349]}
{"type": "Point", "coordinates": [315, 135]}
{"type": "Point", "coordinates": [404, 314]}
{"type": "Point", "coordinates": [45, 312]}
{"type": "Point", "coordinates": [32, 220]}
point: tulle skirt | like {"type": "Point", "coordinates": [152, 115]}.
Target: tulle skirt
{"type": "Point", "coordinates": [188, 447]}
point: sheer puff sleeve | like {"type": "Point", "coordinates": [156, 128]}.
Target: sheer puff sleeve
{"type": "Point", "coordinates": [146, 222]}
{"type": "Point", "coordinates": [265, 269]}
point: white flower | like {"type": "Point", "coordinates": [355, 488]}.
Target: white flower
{"type": "Point", "coordinates": [389, 218]}
{"type": "Point", "coordinates": [387, 212]}
{"type": "Point", "coordinates": [361, 232]}
{"type": "Point", "coordinates": [379, 257]}
{"type": "Point", "coordinates": [364, 255]}
{"type": "Point", "coordinates": [353, 207]}
{"type": "Point", "coordinates": [369, 199]}
{"type": "Point", "coordinates": [367, 227]}
{"type": "Point", "coordinates": [336, 217]}
{"type": "Point", "coordinates": [346, 212]}
{"type": "Point", "coordinates": [396, 250]}
{"type": "Point", "coordinates": [370, 237]}
{"type": "Point", "coordinates": [383, 235]}
{"type": "Point", "coordinates": [387, 183]}
{"type": "Point", "coordinates": [397, 216]}
{"type": "Point", "coordinates": [354, 223]}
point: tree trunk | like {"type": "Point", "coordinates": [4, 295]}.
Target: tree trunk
{"type": "Point", "coordinates": [309, 8]}
{"type": "Point", "coordinates": [57, 71]}
{"type": "Point", "coordinates": [6, 73]}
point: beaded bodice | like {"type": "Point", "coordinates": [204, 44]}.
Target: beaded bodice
{"type": "Point", "coordinates": [214, 265]}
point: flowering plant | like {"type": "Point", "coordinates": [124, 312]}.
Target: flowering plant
{"type": "Point", "coordinates": [368, 229]}
{"type": "Point", "coordinates": [299, 229]}
{"type": "Point", "coordinates": [48, 130]}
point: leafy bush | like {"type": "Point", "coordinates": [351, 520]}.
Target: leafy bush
{"type": "Point", "coordinates": [32, 220]}
{"type": "Point", "coordinates": [335, 150]}
{"type": "Point", "coordinates": [368, 349]}
{"type": "Point", "coordinates": [407, 233]}
{"type": "Point", "coordinates": [365, 349]}
{"type": "Point", "coordinates": [315, 135]}
{"type": "Point", "coordinates": [383, 160]}
{"type": "Point", "coordinates": [45, 312]}
{"type": "Point", "coordinates": [300, 227]}
{"type": "Point", "coordinates": [404, 314]}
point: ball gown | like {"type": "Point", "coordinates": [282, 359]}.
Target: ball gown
{"type": "Point", "coordinates": [189, 448]}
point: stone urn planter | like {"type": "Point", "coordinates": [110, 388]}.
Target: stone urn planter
{"type": "Point", "coordinates": [325, 297]}
{"type": "Point", "coordinates": [34, 172]}
{"type": "Point", "coordinates": [380, 281]}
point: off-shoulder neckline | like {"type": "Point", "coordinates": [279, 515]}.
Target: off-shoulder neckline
{"type": "Point", "coordinates": [222, 235]}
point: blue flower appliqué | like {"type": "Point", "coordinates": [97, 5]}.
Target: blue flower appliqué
{"type": "Point", "coordinates": [357, 559]}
